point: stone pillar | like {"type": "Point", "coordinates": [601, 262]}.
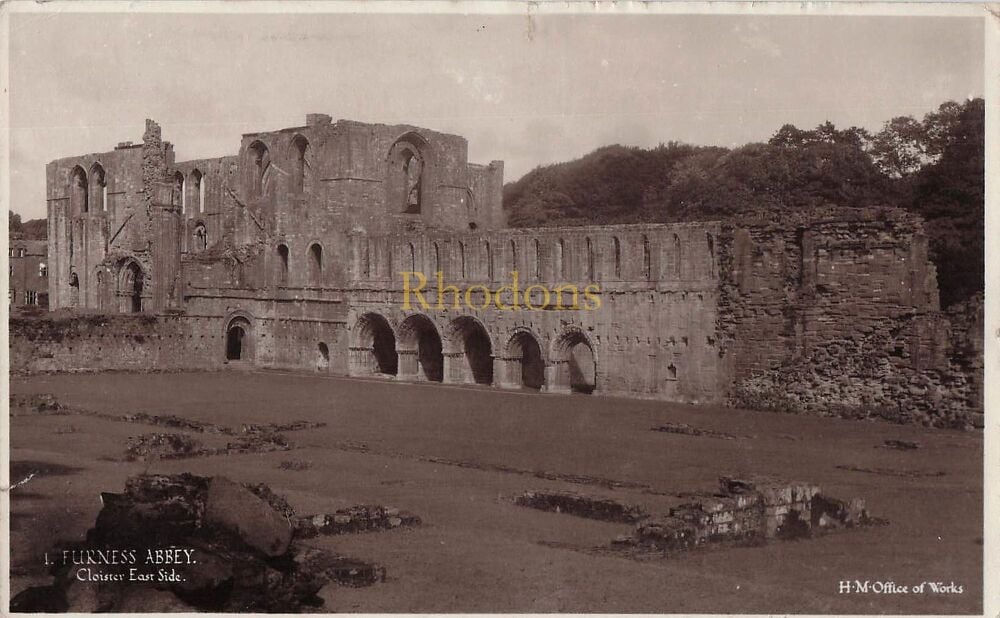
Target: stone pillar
{"type": "Point", "coordinates": [408, 368]}
{"type": "Point", "coordinates": [557, 377]}
{"type": "Point", "coordinates": [361, 361]}
{"type": "Point", "coordinates": [456, 370]}
{"type": "Point", "coordinates": [507, 372]}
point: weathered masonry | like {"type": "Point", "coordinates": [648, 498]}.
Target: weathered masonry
{"type": "Point", "coordinates": [289, 254]}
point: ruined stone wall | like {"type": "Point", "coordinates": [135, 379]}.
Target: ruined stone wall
{"type": "Point", "coordinates": [300, 242]}
{"type": "Point", "coordinates": [839, 314]}
{"type": "Point", "coordinates": [653, 334]}
{"type": "Point", "coordinates": [91, 238]}
{"type": "Point", "coordinates": [206, 186]}
{"type": "Point", "coordinates": [95, 342]}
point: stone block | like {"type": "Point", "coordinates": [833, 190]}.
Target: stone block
{"type": "Point", "coordinates": [236, 509]}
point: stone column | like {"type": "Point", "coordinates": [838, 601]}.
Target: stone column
{"type": "Point", "coordinates": [455, 368]}
{"type": "Point", "coordinates": [409, 366]}
{"type": "Point", "coordinates": [557, 377]}
{"type": "Point", "coordinates": [361, 361]}
{"type": "Point", "coordinates": [507, 372]}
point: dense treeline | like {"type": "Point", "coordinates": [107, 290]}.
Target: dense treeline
{"type": "Point", "coordinates": [933, 167]}
{"type": "Point", "coordinates": [33, 229]}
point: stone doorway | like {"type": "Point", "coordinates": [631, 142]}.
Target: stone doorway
{"type": "Point", "coordinates": [525, 365]}
{"type": "Point", "coordinates": [234, 343]}
{"type": "Point", "coordinates": [574, 368]}
{"type": "Point", "coordinates": [471, 356]}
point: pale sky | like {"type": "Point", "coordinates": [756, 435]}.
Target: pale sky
{"type": "Point", "coordinates": [528, 92]}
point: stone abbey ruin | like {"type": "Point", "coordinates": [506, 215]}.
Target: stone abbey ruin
{"type": "Point", "coordinates": [288, 254]}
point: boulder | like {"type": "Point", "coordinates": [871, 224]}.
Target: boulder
{"type": "Point", "coordinates": [234, 508]}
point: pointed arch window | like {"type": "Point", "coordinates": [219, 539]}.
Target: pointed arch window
{"type": "Point", "coordinates": [98, 187]}
{"type": "Point", "coordinates": [590, 260]}
{"type": "Point", "coordinates": [315, 263]}
{"type": "Point", "coordinates": [200, 237]}
{"type": "Point", "coordinates": [678, 256]}
{"type": "Point", "coordinates": [300, 147]}
{"type": "Point", "coordinates": [647, 259]}
{"type": "Point", "coordinates": [195, 192]}
{"type": "Point", "coordinates": [617, 249]}
{"type": "Point", "coordinates": [282, 263]}
{"type": "Point", "coordinates": [259, 159]}
{"type": "Point", "coordinates": [561, 260]}
{"type": "Point", "coordinates": [79, 194]}
{"type": "Point", "coordinates": [538, 259]}
{"type": "Point", "coordinates": [489, 261]}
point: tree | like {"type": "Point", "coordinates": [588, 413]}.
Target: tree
{"type": "Point", "coordinates": [15, 230]}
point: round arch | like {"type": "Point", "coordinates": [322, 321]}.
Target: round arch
{"type": "Point", "coordinates": [573, 366]}
{"type": "Point", "coordinates": [469, 349]}
{"type": "Point", "coordinates": [239, 337]}
{"type": "Point", "coordinates": [420, 350]}
{"type": "Point", "coordinates": [373, 347]}
{"type": "Point", "coordinates": [524, 360]}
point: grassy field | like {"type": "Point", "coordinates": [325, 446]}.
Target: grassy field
{"type": "Point", "coordinates": [455, 456]}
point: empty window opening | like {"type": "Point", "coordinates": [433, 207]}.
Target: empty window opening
{"type": "Point", "coordinates": [282, 264]}
{"type": "Point", "coordinates": [258, 168]}
{"type": "Point", "coordinates": [406, 166]}
{"type": "Point", "coordinates": [647, 259]}
{"type": "Point", "coordinates": [98, 189]}
{"type": "Point", "coordinates": [196, 188]}
{"type": "Point", "coordinates": [561, 258]}
{"type": "Point", "coordinates": [79, 195]}
{"type": "Point", "coordinates": [617, 247]}
{"type": "Point", "coordinates": [538, 260]}
{"type": "Point", "coordinates": [299, 148]}
{"type": "Point", "coordinates": [590, 260]}
{"type": "Point", "coordinates": [678, 256]}
{"type": "Point", "coordinates": [489, 261]}
{"type": "Point", "coordinates": [200, 237]}
{"type": "Point", "coordinates": [315, 264]}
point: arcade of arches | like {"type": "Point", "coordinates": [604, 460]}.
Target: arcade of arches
{"type": "Point", "coordinates": [463, 353]}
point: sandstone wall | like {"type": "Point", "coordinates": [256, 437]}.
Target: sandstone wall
{"type": "Point", "coordinates": [98, 342]}
{"type": "Point", "coordinates": [839, 315]}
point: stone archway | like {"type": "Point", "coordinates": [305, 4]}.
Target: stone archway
{"type": "Point", "coordinates": [469, 355]}
{"type": "Point", "coordinates": [420, 350]}
{"type": "Point", "coordinates": [239, 343]}
{"type": "Point", "coordinates": [522, 362]}
{"type": "Point", "coordinates": [130, 287]}
{"type": "Point", "coordinates": [373, 347]}
{"type": "Point", "coordinates": [322, 356]}
{"type": "Point", "coordinates": [573, 368]}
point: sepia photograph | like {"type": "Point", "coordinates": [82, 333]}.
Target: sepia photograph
{"type": "Point", "coordinates": [472, 307]}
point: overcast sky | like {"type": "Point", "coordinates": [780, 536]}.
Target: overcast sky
{"type": "Point", "coordinates": [528, 92]}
